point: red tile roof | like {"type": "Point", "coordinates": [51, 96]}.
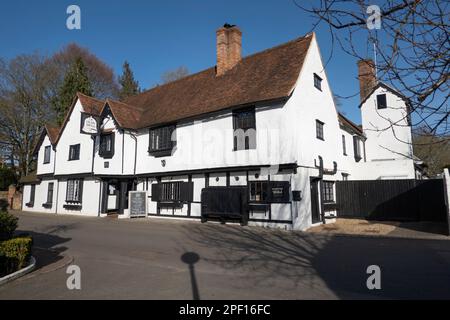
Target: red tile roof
{"type": "Point", "coordinates": [264, 76]}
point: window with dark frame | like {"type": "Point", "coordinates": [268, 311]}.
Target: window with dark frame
{"type": "Point", "coordinates": [328, 191]}
{"type": "Point", "coordinates": [32, 194]}
{"type": "Point", "coordinates": [319, 130]}
{"type": "Point", "coordinates": [106, 149]}
{"type": "Point", "coordinates": [74, 190]}
{"type": "Point", "coordinates": [170, 191]}
{"type": "Point", "coordinates": [244, 129]}
{"type": "Point", "coordinates": [161, 142]}
{"type": "Point", "coordinates": [173, 191]}
{"type": "Point", "coordinates": [47, 152]}
{"type": "Point", "coordinates": [357, 148]}
{"type": "Point", "coordinates": [74, 152]}
{"type": "Point", "coordinates": [317, 82]}
{"type": "Point", "coordinates": [258, 191]}
{"type": "Point", "coordinates": [344, 146]}
{"type": "Point", "coordinates": [50, 193]}
{"type": "Point", "coordinates": [381, 101]}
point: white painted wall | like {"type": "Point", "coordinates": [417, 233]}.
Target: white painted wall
{"type": "Point", "coordinates": [40, 197]}
{"type": "Point", "coordinates": [387, 130]}
{"type": "Point", "coordinates": [90, 200]}
{"type": "Point", "coordinates": [71, 135]}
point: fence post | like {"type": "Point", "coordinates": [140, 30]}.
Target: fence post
{"type": "Point", "coordinates": [447, 194]}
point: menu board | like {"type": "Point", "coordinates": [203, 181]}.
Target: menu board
{"type": "Point", "coordinates": [137, 204]}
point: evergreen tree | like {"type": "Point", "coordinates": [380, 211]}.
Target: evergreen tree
{"type": "Point", "coordinates": [75, 80]}
{"type": "Point", "coordinates": [129, 86]}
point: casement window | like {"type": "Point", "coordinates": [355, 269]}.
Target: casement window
{"type": "Point", "coordinates": [319, 130]}
{"type": "Point", "coordinates": [317, 82]}
{"type": "Point", "coordinates": [173, 191]}
{"type": "Point", "coordinates": [381, 101]}
{"type": "Point", "coordinates": [106, 149]}
{"type": "Point", "coordinates": [74, 190]}
{"type": "Point", "coordinates": [344, 146]}
{"type": "Point", "coordinates": [74, 152]}
{"type": "Point", "coordinates": [328, 191]}
{"type": "Point", "coordinates": [244, 129]}
{"type": "Point", "coordinates": [357, 148]}
{"type": "Point", "coordinates": [32, 194]}
{"type": "Point", "coordinates": [269, 191]}
{"type": "Point", "coordinates": [49, 202]}
{"type": "Point", "coordinates": [47, 153]}
{"type": "Point", "coordinates": [162, 140]}
{"type": "Point", "coordinates": [258, 191]}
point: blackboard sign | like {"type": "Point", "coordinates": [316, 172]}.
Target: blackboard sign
{"type": "Point", "coordinates": [137, 203]}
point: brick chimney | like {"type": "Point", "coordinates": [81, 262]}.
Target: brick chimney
{"type": "Point", "coordinates": [367, 77]}
{"type": "Point", "coordinates": [229, 43]}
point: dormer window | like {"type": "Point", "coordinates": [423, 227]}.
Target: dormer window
{"type": "Point", "coordinates": [317, 82]}
{"type": "Point", "coordinates": [74, 152]}
{"type": "Point", "coordinates": [381, 101]}
{"type": "Point", "coordinates": [162, 141]}
{"type": "Point", "coordinates": [244, 129]}
{"type": "Point", "coordinates": [47, 152]}
{"type": "Point", "coordinates": [106, 149]}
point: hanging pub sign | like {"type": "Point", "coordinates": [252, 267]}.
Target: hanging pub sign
{"type": "Point", "coordinates": [89, 124]}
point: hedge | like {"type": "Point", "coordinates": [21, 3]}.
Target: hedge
{"type": "Point", "coordinates": [14, 254]}
{"type": "Point", "coordinates": [8, 224]}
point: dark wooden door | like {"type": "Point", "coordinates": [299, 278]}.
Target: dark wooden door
{"type": "Point", "coordinates": [315, 204]}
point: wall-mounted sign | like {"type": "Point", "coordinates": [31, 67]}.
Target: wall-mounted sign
{"type": "Point", "coordinates": [137, 203]}
{"type": "Point", "coordinates": [89, 124]}
{"type": "Point", "coordinates": [279, 191]}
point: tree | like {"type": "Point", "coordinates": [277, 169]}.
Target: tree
{"type": "Point", "coordinates": [173, 75]}
{"type": "Point", "coordinates": [7, 177]}
{"type": "Point", "coordinates": [434, 150]}
{"type": "Point", "coordinates": [129, 86]}
{"type": "Point", "coordinates": [411, 40]}
{"type": "Point", "coordinates": [76, 80]}
{"type": "Point", "coordinates": [103, 81]}
{"type": "Point", "coordinates": [25, 97]}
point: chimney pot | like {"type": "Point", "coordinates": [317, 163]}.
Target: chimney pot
{"type": "Point", "coordinates": [229, 44]}
{"type": "Point", "coordinates": [367, 77]}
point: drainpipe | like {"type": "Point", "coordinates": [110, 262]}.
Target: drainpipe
{"type": "Point", "coordinates": [135, 151]}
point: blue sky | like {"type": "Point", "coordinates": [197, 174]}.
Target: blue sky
{"type": "Point", "coordinates": [156, 36]}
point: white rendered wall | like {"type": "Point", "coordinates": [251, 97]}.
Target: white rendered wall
{"type": "Point", "coordinates": [387, 130]}
{"type": "Point", "coordinates": [71, 135]}
{"type": "Point", "coordinates": [90, 200]}
{"type": "Point", "coordinates": [40, 197]}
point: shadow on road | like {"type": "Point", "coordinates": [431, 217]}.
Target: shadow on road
{"type": "Point", "coordinates": [191, 258]}
{"type": "Point", "coordinates": [303, 261]}
{"type": "Point", "coordinates": [47, 247]}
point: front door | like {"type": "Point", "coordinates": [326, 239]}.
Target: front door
{"type": "Point", "coordinates": [315, 207]}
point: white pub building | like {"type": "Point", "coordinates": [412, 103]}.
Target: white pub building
{"type": "Point", "coordinates": [258, 136]}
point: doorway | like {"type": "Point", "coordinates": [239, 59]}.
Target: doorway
{"type": "Point", "coordinates": [115, 195]}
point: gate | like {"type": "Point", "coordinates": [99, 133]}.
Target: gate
{"type": "Point", "coordinates": [400, 200]}
{"type": "Point", "coordinates": [225, 203]}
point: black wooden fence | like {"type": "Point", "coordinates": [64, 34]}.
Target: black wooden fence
{"type": "Point", "coordinates": [400, 200]}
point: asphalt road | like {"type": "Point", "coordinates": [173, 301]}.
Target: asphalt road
{"type": "Point", "coordinates": [142, 259]}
